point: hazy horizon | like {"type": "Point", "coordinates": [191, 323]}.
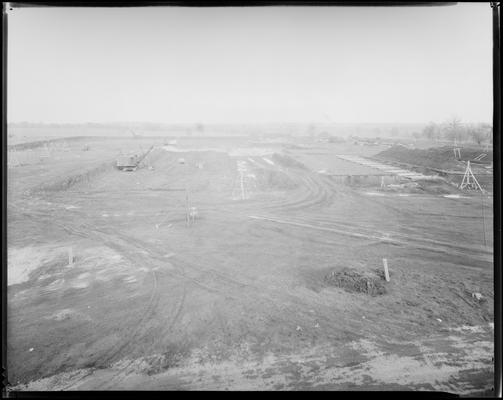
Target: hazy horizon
{"type": "Point", "coordinates": [259, 65]}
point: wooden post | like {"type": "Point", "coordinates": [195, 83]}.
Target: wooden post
{"type": "Point", "coordinates": [70, 255]}
{"type": "Point", "coordinates": [242, 185]}
{"type": "Point", "coordinates": [386, 272]}
{"type": "Point", "coordinates": [187, 217]}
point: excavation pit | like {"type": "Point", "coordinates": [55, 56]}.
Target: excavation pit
{"type": "Point", "coordinates": [356, 281]}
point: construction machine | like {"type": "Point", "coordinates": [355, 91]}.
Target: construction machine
{"type": "Point", "coordinates": [131, 162]}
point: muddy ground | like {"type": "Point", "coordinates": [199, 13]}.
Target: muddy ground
{"type": "Point", "coordinates": [238, 299]}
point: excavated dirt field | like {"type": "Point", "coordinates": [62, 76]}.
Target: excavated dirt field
{"type": "Point", "coordinates": [239, 299]}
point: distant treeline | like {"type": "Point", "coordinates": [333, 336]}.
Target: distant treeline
{"type": "Point", "coordinates": [455, 131]}
{"type": "Point", "coordinates": [452, 130]}
{"type": "Point", "coordinates": [223, 129]}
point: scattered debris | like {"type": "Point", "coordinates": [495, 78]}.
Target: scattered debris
{"type": "Point", "coordinates": [477, 296]}
{"type": "Point", "coordinates": [439, 320]}
{"type": "Point", "coordinates": [317, 325]}
{"type": "Point", "coordinates": [31, 349]}
{"type": "Point", "coordinates": [298, 328]}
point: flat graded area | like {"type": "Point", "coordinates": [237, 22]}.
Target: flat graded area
{"type": "Point", "coordinates": [238, 298]}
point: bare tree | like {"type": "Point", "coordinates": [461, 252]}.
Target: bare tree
{"type": "Point", "coordinates": [488, 132]}
{"type": "Point", "coordinates": [476, 133]}
{"type": "Point", "coordinates": [453, 130]}
{"type": "Point", "coordinates": [431, 131]}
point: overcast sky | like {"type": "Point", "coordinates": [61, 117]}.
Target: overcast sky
{"type": "Point", "coordinates": [266, 64]}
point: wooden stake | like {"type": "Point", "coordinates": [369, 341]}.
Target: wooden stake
{"type": "Point", "coordinates": [70, 256]}
{"type": "Point", "coordinates": [242, 186]}
{"type": "Point", "coordinates": [386, 272]}
{"type": "Point", "coordinates": [187, 212]}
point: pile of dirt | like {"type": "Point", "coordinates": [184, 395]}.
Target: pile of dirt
{"type": "Point", "coordinates": [288, 161]}
{"type": "Point", "coordinates": [273, 180]}
{"type": "Point", "coordinates": [353, 280]}
{"type": "Point", "coordinates": [436, 157]}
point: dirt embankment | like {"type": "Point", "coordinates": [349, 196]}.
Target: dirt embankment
{"type": "Point", "coordinates": [42, 143]}
{"type": "Point", "coordinates": [67, 182]}
{"type": "Point", "coordinates": [437, 157]}
{"type": "Point", "coordinates": [288, 161]}
{"type": "Point", "coordinates": [442, 161]}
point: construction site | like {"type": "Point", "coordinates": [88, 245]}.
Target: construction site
{"type": "Point", "coordinates": [168, 263]}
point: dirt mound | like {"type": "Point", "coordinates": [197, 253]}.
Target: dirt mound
{"type": "Point", "coordinates": [436, 157]}
{"type": "Point", "coordinates": [274, 180]}
{"type": "Point", "coordinates": [81, 177]}
{"type": "Point", "coordinates": [352, 280]}
{"type": "Point", "coordinates": [287, 161]}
